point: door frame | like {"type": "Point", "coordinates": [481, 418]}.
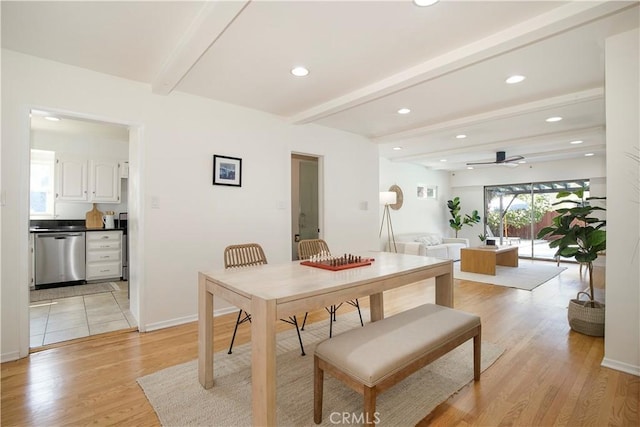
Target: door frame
{"type": "Point", "coordinates": [135, 209]}
{"type": "Point", "coordinates": [293, 211]}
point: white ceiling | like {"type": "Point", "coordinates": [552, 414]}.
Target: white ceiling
{"type": "Point", "coordinates": [367, 59]}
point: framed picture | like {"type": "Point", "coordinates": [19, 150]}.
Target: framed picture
{"type": "Point", "coordinates": [432, 192]}
{"type": "Point", "coordinates": [427, 191]}
{"type": "Point", "coordinates": [227, 171]}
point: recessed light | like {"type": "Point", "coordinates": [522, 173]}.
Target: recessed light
{"type": "Point", "coordinates": [522, 162]}
{"type": "Point", "coordinates": [52, 119]}
{"type": "Point", "coordinates": [461, 136]}
{"type": "Point", "coordinates": [423, 3]}
{"type": "Point", "coordinates": [576, 142]}
{"type": "Point", "coordinates": [443, 160]}
{"type": "Point", "coordinates": [397, 148]}
{"type": "Point", "coordinates": [514, 79]}
{"type": "Point", "coordinates": [404, 111]}
{"type": "Point", "coordinates": [554, 119]}
{"type": "Point", "coordinates": [589, 154]}
{"type": "Point", "coordinates": [299, 71]}
{"type": "Point", "coordinates": [470, 167]}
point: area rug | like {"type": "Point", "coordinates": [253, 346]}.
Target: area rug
{"type": "Point", "coordinates": [179, 399]}
{"type": "Point", "coordinates": [72, 291]}
{"type": "Point", "coordinates": [527, 275]}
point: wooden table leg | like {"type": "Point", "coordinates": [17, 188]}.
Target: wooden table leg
{"type": "Point", "coordinates": [263, 361]}
{"type": "Point", "coordinates": [376, 307]}
{"type": "Point", "coordinates": [205, 333]}
{"type": "Point", "coordinates": [508, 258]}
{"type": "Point", "coordinates": [444, 289]}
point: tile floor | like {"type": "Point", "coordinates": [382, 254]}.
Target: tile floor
{"type": "Point", "coordinates": [76, 317]}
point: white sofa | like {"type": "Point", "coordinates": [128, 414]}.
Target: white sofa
{"type": "Point", "coordinates": [430, 244]}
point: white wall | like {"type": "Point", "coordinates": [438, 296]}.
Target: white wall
{"type": "Point", "coordinates": [427, 215]}
{"type": "Point", "coordinates": [172, 165]}
{"type": "Point", "coordinates": [622, 323]}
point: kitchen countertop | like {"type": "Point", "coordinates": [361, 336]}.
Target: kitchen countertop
{"type": "Point", "coordinates": [69, 229]}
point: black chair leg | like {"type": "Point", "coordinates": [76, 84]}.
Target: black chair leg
{"type": "Point", "coordinates": [359, 313]}
{"type": "Point", "coordinates": [304, 321]}
{"type": "Point", "coordinates": [332, 318]}
{"type": "Point", "coordinates": [295, 323]}
{"type": "Point", "coordinates": [233, 338]}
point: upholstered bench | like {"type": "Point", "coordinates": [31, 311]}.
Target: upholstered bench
{"type": "Point", "coordinates": [383, 353]}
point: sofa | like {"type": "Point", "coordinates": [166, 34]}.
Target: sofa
{"type": "Point", "coordinates": [430, 244]}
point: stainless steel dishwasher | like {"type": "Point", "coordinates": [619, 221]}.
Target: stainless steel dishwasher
{"type": "Point", "coordinates": [59, 257]}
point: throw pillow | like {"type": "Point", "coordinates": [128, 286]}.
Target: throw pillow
{"type": "Point", "coordinates": [435, 239]}
{"type": "Point", "coordinates": [429, 239]}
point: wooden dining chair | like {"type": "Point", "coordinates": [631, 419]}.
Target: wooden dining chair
{"type": "Point", "coordinates": [247, 255]}
{"type": "Point", "coordinates": [308, 248]}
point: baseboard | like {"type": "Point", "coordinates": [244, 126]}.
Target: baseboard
{"type": "Point", "coordinates": [9, 357]}
{"type": "Point", "coordinates": [187, 319]}
{"type": "Point", "coordinates": [621, 366]}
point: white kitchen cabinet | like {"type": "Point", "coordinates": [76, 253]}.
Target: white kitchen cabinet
{"type": "Point", "coordinates": [104, 181]}
{"type": "Point", "coordinates": [104, 255]}
{"type": "Point", "coordinates": [124, 169]}
{"type": "Point", "coordinates": [82, 180]}
{"type": "Point", "coordinates": [71, 179]}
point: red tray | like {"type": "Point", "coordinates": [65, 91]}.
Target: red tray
{"type": "Point", "coordinates": [325, 265]}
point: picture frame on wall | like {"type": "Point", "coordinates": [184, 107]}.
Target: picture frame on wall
{"type": "Point", "coordinates": [427, 191]}
{"type": "Point", "coordinates": [227, 171]}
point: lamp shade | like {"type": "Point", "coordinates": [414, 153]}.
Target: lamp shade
{"type": "Point", "coordinates": [388, 198]}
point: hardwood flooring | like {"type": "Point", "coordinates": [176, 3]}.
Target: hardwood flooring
{"type": "Point", "coordinates": [548, 375]}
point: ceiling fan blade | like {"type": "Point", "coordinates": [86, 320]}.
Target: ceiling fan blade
{"type": "Point", "coordinates": [513, 159]}
{"type": "Point", "coordinates": [481, 163]}
{"type": "Point", "coordinates": [501, 159]}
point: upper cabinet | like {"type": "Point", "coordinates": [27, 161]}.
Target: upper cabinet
{"type": "Point", "coordinates": [104, 181]}
{"type": "Point", "coordinates": [71, 179]}
{"type": "Point", "coordinates": [81, 180]}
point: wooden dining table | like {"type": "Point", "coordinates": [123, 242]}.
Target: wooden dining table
{"type": "Point", "coordinates": [274, 291]}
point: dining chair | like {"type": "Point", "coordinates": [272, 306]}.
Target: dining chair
{"type": "Point", "coordinates": [247, 255]}
{"type": "Point", "coordinates": [308, 248]}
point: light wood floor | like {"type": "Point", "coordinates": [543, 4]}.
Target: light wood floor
{"type": "Point", "coordinates": [548, 375]}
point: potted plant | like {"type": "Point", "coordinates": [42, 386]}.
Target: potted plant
{"type": "Point", "coordinates": [580, 235]}
{"type": "Point", "coordinates": [457, 221]}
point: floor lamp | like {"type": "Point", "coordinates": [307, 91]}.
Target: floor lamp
{"type": "Point", "coordinates": [388, 198]}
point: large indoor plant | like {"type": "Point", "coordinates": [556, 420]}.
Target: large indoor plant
{"type": "Point", "coordinates": [579, 234]}
{"type": "Point", "coordinates": [457, 221]}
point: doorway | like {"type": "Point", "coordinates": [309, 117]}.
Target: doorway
{"type": "Point", "coordinates": [305, 200]}
{"type": "Point", "coordinates": [64, 313]}
{"type": "Point", "coordinates": [515, 213]}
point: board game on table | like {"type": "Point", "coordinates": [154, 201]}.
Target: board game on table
{"type": "Point", "coordinates": [344, 262]}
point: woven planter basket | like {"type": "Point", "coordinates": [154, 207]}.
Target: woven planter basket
{"type": "Point", "coordinates": [586, 317]}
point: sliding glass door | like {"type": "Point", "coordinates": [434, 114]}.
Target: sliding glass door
{"type": "Point", "coordinates": [515, 213]}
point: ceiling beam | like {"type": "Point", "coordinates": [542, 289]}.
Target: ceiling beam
{"type": "Point", "coordinates": [542, 26]}
{"type": "Point", "coordinates": [503, 113]}
{"type": "Point", "coordinates": [209, 24]}
{"type": "Point", "coordinates": [529, 142]}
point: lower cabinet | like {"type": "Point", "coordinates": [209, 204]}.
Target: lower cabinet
{"type": "Point", "coordinates": [104, 255]}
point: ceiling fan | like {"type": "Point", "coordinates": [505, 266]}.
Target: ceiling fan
{"type": "Point", "coordinates": [501, 159]}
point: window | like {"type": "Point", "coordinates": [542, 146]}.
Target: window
{"type": "Point", "coordinates": [41, 190]}
{"type": "Point", "coordinates": [514, 214]}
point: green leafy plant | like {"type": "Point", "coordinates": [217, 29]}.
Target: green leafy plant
{"type": "Point", "coordinates": [578, 233]}
{"type": "Point", "coordinates": [457, 221]}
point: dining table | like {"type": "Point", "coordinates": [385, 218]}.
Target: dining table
{"type": "Point", "coordinates": [273, 291]}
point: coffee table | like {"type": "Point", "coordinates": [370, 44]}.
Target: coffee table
{"type": "Point", "coordinates": [484, 259]}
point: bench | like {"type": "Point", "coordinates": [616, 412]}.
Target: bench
{"type": "Point", "coordinates": [372, 359]}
